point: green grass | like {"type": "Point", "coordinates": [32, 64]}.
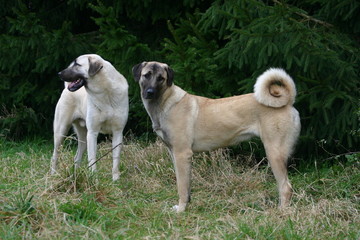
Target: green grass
{"type": "Point", "coordinates": [232, 198]}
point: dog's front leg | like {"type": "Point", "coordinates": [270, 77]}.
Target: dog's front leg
{"type": "Point", "coordinates": [92, 146]}
{"type": "Point", "coordinates": [116, 144]}
{"type": "Point", "coordinates": [182, 162]}
{"type": "Point", "coordinates": [81, 133]}
{"type": "Point", "coordinates": [58, 139]}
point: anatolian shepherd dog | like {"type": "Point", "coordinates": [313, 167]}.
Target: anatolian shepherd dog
{"type": "Point", "coordinates": [102, 105]}
{"type": "Point", "coordinates": [188, 123]}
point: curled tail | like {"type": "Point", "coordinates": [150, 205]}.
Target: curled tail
{"type": "Point", "coordinates": [275, 88]}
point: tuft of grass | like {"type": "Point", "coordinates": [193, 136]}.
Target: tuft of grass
{"type": "Point", "coordinates": [19, 208]}
{"type": "Point", "coordinates": [74, 180]}
{"type": "Point", "coordinates": [233, 197]}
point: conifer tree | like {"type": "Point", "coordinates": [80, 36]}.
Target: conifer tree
{"type": "Point", "coordinates": [226, 47]}
{"type": "Point", "coordinates": [217, 49]}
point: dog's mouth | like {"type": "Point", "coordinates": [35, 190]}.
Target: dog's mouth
{"type": "Point", "coordinates": [75, 85]}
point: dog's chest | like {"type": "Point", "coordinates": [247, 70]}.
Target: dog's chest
{"type": "Point", "coordinates": [158, 119]}
{"type": "Point", "coordinates": [160, 133]}
{"type": "Point", "coordinates": [105, 120]}
{"type": "Point", "coordinates": [158, 126]}
{"type": "Point", "coordinates": [163, 136]}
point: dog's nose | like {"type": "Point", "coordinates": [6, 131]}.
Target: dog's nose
{"type": "Point", "coordinates": [60, 75]}
{"type": "Point", "coordinates": [150, 92]}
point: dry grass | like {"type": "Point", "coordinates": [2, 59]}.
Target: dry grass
{"type": "Point", "coordinates": [231, 198]}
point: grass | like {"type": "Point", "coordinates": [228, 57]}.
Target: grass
{"type": "Point", "coordinates": [232, 197]}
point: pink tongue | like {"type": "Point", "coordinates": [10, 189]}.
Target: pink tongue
{"type": "Point", "coordinates": [72, 84]}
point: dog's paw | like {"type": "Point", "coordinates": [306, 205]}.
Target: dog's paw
{"type": "Point", "coordinates": [53, 171]}
{"type": "Point", "coordinates": [116, 176]}
{"type": "Point", "coordinates": [178, 209]}
{"type": "Point", "coordinates": [175, 208]}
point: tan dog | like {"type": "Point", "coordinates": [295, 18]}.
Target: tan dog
{"type": "Point", "coordinates": [188, 123]}
{"type": "Point", "coordinates": [95, 99]}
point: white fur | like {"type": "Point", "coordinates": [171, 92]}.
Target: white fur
{"type": "Point", "coordinates": [262, 88]}
{"type": "Point", "coordinates": [101, 106]}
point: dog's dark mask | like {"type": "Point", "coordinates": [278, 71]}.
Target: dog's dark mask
{"type": "Point", "coordinates": [76, 79]}
{"type": "Point", "coordinates": [152, 85]}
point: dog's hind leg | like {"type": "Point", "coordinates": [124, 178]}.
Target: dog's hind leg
{"type": "Point", "coordinates": [278, 156]}
{"type": "Point", "coordinates": [279, 144]}
{"type": "Point", "coordinates": [60, 131]}
{"type": "Point", "coordinates": [81, 132]}
{"type": "Point", "coordinates": [117, 139]}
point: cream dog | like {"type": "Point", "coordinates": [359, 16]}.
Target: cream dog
{"type": "Point", "coordinates": [102, 105]}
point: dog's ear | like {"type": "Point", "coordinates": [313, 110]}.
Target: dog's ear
{"type": "Point", "coordinates": [94, 67]}
{"type": "Point", "coordinates": [170, 75]}
{"type": "Point", "coordinates": [136, 70]}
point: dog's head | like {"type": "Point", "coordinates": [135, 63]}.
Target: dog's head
{"type": "Point", "coordinates": [81, 70]}
{"type": "Point", "coordinates": [153, 77]}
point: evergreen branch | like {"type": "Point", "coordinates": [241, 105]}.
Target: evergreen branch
{"type": "Point", "coordinates": [342, 154]}
{"type": "Point", "coordinates": [309, 18]}
{"type": "Point", "coordinates": [85, 34]}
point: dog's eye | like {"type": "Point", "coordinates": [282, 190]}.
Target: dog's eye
{"type": "Point", "coordinates": [148, 75]}
{"type": "Point", "coordinates": [75, 63]}
{"type": "Point", "coordinates": [160, 79]}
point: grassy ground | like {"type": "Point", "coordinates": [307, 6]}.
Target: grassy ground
{"type": "Point", "coordinates": [232, 198]}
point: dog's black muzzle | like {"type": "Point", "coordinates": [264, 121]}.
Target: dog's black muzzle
{"type": "Point", "coordinates": [76, 80]}
{"type": "Point", "coordinates": [149, 93]}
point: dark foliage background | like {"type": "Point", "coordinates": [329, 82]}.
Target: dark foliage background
{"type": "Point", "coordinates": [217, 49]}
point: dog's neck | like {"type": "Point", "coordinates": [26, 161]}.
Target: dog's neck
{"type": "Point", "coordinates": [110, 90]}
{"type": "Point", "coordinates": [158, 108]}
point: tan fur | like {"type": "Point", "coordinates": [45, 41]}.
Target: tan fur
{"type": "Point", "coordinates": [189, 123]}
